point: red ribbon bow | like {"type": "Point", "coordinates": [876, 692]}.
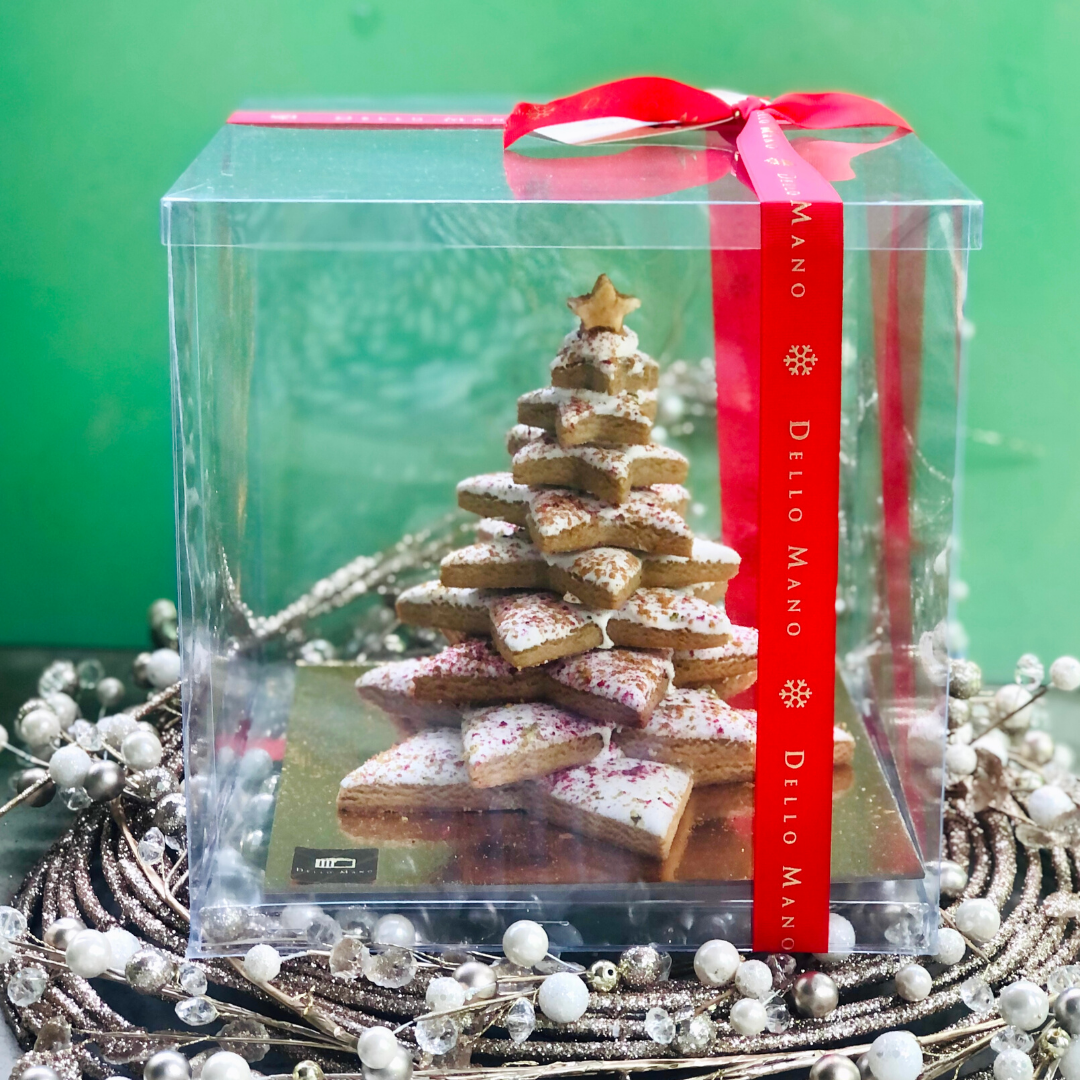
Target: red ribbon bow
{"type": "Point", "coordinates": [673, 104]}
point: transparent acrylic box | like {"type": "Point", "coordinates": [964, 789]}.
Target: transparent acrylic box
{"type": "Point", "coordinates": [353, 316]}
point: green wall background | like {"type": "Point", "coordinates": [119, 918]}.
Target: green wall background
{"type": "Point", "coordinates": [103, 104]}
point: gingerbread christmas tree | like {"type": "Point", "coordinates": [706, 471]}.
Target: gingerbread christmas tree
{"type": "Point", "coordinates": [590, 653]}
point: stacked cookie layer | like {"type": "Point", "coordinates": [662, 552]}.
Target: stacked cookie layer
{"type": "Point", "coordinates": [591, 654]}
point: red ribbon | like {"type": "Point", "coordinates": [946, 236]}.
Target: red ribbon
{"type": "Point", "coordinates": [777, 313]}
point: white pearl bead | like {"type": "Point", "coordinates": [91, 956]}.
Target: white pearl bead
{"type": "Point", "coordinates": [1069, 1062]}
{"type": "Point", "coordinates": [1013, 1065]}
{"type": "Point", "coordinates": [124, 946]}
{"type": "Point", "coordinates": [1012, 701]}
{"type": "Point", "coordinates": [262, 963]}
{"type": "Point", "coordinates": [961, 760]}
{"type": "Point", "coordinates": [1024, 1005]}
{"type": "Point", "coordinates": [1065, 673]}
{"type": "Point", "coordinates": [951, 946]}
{"type": "Point", "coordinates": [89, 954]}
{"type": "Point", "coordinates": [394, 930]}
{"type": "Point", "coordinates": [977, 919]}
{"type": "Point", "coordinates": [913, 982]}
{"type": "Point", "coordinates": [563, 997]}
{"type": "Point", "coordinates": [299, 916]}
{"type": "Point", "coordinates": [225, 1065]}
{"type": "Point", "coordinates": [754, 979]}
{"type": "Point", "coordinates": [1047, 805]}
{"type": "Point", "coordinates": [40, 726]}
{"type": "Point", "coordinates": [995, 742]}
{"type": "Point", "coordinates": [525, 943]}
{"type": "Point", "coordinates": [716, 962]}
{"type": "Point", "coordinates": [69, 765]}
{"type": "Point", "coordinates": [141, 750]}
{"type": "Point", "coordinates": [748, 1016]}
{"type": "Point", "coordinates": [376, 1047]}
{"type": "Point", "coordinates": [67, 711]}
{"type": "Point", "coordinates": [163, 668]}
{"type": "Point", "coordinates": [896, 1055]}
{"type": "Point", "coordinates": [444, 993]}
{"type": "Point", "coordinates": [841, 939]}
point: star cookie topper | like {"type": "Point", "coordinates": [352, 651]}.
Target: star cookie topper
{"type": "Point", "coordinates": [603, 308]}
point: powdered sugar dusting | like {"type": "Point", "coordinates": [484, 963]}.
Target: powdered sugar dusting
{"type": "Point", "coordinates": [598, 343]}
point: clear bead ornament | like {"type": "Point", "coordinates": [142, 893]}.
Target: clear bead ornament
{"type": "Point", "coordinates": [75, 798]}
{"type": "Point", "coordinates": [196, 1011]}
{"type": "Point", "coordinates": [1063, 977]}
{"type": "Point", "coordinates": [12, 924]}
{"type": "Point", "coordinates": [89, 673]}
{"type": "Point", "coordinates": [27, 985]}
{"type": "Point", "coordinates": [1011, 1038]}
{"type": "Point", "coordinates": [520, 1020]}
{"type": "Point", "coordinates": [389, 966]}
{"type": "Point", "coordinates": [976, 994]}
{"type": "Point", "coordinates": [86, 735]}
{"type": "Point", "coordinates": [778, 1016]}
{"type": "Point", "coordinates": [1029, 671]}
{"type": "Point", "coordinates": [437, 1034]}
{"type": "Point", "coordinates": [659, 1026]}
{"type": "Point", "coordinates": [347, 959]}
{"type": "Point", "coordinates": [192, 979]}
{"type": "Point", "coordinates": [152, 846]}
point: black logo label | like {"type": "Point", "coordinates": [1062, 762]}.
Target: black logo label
{"type": "Point", "coordinates": [321, 866]}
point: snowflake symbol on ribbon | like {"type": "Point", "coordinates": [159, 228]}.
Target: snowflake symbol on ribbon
{"type": "Point", "coordinates": [800, 360]}
{"type": "Point", "coordinates": [795, 693]}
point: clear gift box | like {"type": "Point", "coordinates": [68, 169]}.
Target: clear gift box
{"type": "Point", "coordinates": [354, 314]}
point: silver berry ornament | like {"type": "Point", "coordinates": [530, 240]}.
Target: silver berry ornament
{"type": "Point", "coordinates": [61, 933]}
{"type": "Point", "coordinates": [478, 979]}
{"type": "Point", "coordinates": [641, 966]}
{"type": "Point", "coordinates": [815, 994]}
{"type": "Point", "coordinates": [27, 778]}
{"type": "Point", "coordinates": [38, 1072]}
{"type": "Point", "coordinates": [104, 780]}
{"type": "Point", "coordinates": [171, 814]}
{"type": "Point", "coordinates": [1055, 1041]}
{"type": "Point", "coordinates": [110, 692]}
{"type": "Point", "coordinates": [834, 1067]}
{"type": "Point", "coordinates": [167, 1065]}
{"type": "Point", "coordinates": [1067, 1010]}
{"type": "Point", "coordinates": [602, 976]}
{"type": "Point", "coordinates": [965, 678]}
{"type": "Point", "coordinates": [149, 970]}
{"type": "Point", "coordinates": [954, 878]}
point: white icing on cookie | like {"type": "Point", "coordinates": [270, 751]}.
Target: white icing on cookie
{"type": "Point", "coordinates": [555, 511]}
{"type": "Point", "coordinates": [615, 462]}
{"type": "Point", "coordinates": [700, 714]}
{"type": "Point", "coordinates": [495, 733]}
{"type": "Point", "coordinates": [498, 485]}
{"type": "Point", "coordinates": [529, 621]}
{"type": "Point", "coordinates": [673, 609]}
{"type": "Point", "coordinates": [502, 551]}
{"type": "Point", "coordinates": [644, 795]}
{"type": "Point", "coordinates": [432, 758]}
{"type": "Point", "coordinates": [705, 551]}
{"type": "Point", "coordinates": [626, 677]}
{"type": "Point", "coordinates": [598, 344]}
